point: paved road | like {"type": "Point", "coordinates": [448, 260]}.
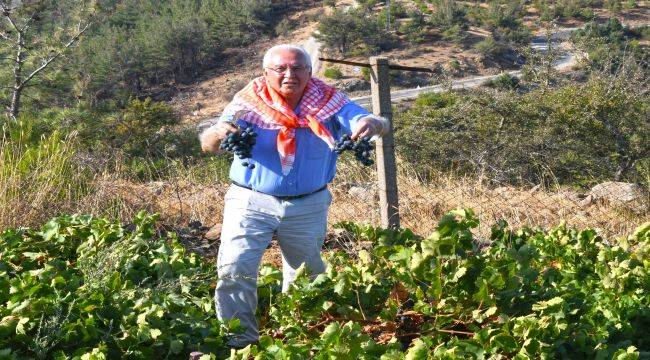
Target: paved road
{"type": "Point", "coordinates": [539, 43]}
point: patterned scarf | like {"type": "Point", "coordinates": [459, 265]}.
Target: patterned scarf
{"type": "Point", "coordinates": [264, 107]}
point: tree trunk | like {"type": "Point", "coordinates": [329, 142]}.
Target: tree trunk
{"type": "Point", "coordinates": [14, 108]}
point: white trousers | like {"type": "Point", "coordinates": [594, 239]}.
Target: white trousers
{"type": "Point", "coordinates": [249, 221]}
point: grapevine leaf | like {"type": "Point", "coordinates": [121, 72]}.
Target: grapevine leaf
{"type": "Point", "coordinates": [417, 351]}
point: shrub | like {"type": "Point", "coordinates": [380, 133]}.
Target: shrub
{"type": "Point", "coordinates": [284, 27]}
{"type": "Point", "coordinates": [587, 14]}
{"type": "Point", "coordinates": [436, 100]}
{"type": "Point", "coordinates": [368, 5]}
{"type": "Point", "coordinates": [365, 73]}
{"type": "Point", "coordinates": [139, 129]}
{"type": "Point", "coordinates": [447, 13]}
{"type": "Point", "coordinates": [338, 31]}
{"type": "Point", "coordinates": [504, 82]}
{"type": "Point", "coordinates": [489, 48]}
{"type": "Point", "coordinates": [453, 33]}
{"type": "Point", "coordinates": [629, 4]}
{"type": "Point", "coordinates": [504, 15]}
{"type": "Point", "coordinates": [610, 46]}
{"type": "Point", "coordinates": [614, 5]}
{"type": "Point", "coordinates": [579, 134]}
{"type": "Point", "coordinates": [415, 27]}
{"type": "Point", "coordinates": [333, 73]}
{"type": "Point", "coordinates": [353, 33]}
{"type": "Point", "coordinates": [104, 290]}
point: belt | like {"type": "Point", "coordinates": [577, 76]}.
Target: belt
{"type": "Point", "coordinates": [285, 197]}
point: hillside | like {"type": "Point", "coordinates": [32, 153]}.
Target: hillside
{"type": "Point", "coordinates": [451, 59]}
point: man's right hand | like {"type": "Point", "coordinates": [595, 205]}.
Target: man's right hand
{"type": "Point", "coordinates": [211, 138]}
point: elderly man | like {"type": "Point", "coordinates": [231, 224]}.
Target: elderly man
{"type": "Point", "coordinates": [297, 119]}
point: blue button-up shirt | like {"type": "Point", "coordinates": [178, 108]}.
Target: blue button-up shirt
{"type": "Point", "coordinates": [314, 165]}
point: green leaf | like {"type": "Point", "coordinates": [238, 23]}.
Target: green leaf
{"type": "Point", "coordinates": [548, 304]}
{"type": "Point", "coordinates": [340, 286]}
{"type": "Point", "coordinates": [176, 346]}
{"type": "Point", "coordinates": [50, 230]}
{"type": "Point", "coordinates": [8, 325]}
{"type": "Point", "coordinates": [459, 273]}
{"type": "Point", "coordinates": [331, 333]}
{"type": "Point", "coordinates": [20, 327]}
{"type": "Point", "coordinates": [505, 342]}
{"type": "Point", "coordinates": [417, 351]}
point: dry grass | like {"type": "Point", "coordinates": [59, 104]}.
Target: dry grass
{"type": "Point", "coordinates": [38, 180]}
{"type": "Point", "coordinates": [31, 195]}
{"type": "Point", "coordinates": [355, 199]}
{"type": "Point", "coordinates": [422, 203]}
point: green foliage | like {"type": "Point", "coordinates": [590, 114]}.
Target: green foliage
{"type": "Point", "coordinates": [368, 5]}
{"type": "Point", "coordinates": [284, 27]}
{"type": "Point", "coordinates": [436, 100]}
{"type": "Point", "coordinates": [530, 294]}
{"type": "Point", "coordinates": [614, 6]}
{"type": "Point", "coordinates": [504, 15]}
{"type": "Point", "coordinates": [134, 49]}
{"type": "Point", "coordinates": [397, 11]}
{"type": "Point", "coordinates": [573, 135]}
{"type": "Point", "coordinates": [611, 46]}
{"type": "Point", "coordinates": [454, 33]}
{"type": "Point", "coordinates": [504, 22]}
{"type": "Point", "coordinates": [139, 129]}
{"type": "Point", "coordinates": [40, 174]}
{"type": "Point", "coordinates": [447, 13]}
{"type": "Point", "coordinates": [353, 32]}
{"type": "Point", "coordinates": [146, 44]}
{"type": "Point", "coordinates": [415, 28]}
{"type": "Point", "coordinates": [504, 82]}
{"type": "Point", "coordinates": [489, 48]}
{"type": "Point", "coordinates": [565, 9]}
{"type": "Point", "coordinates": [82, 285]}
{"type": "Point", "coordinates": [365, 73]}
{"type": "Point", "coordinates": [333, 73]}
{"type": "Point", "coordinates": [629, 4]}
{"type": "Point", "coordinates": [34, 39]}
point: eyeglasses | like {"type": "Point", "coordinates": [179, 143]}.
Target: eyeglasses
{"type": "Point", "coordinates": [281, 70]}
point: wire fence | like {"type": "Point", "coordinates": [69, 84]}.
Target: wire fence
{"type": "Point", "coordinates": [613, 208]}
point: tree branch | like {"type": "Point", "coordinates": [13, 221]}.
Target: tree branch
{"type": "Point", "coordinates": [55, 56]}
{"type": "Point", "coordinates": [5, 12]}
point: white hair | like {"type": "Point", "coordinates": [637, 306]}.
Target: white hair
{"type": "Point", "coordinates": [291, 47]}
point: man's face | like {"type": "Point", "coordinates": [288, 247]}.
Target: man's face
{"type": "Point", "coordinates": [287, 73]}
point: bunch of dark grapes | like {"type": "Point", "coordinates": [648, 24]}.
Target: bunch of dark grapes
{"type": "Point", "coordinates": [241, 144]}
{"type": "Point", "coordinates": [362, 148]}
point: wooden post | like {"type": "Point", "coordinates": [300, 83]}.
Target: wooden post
{"type": "Point", "coordinates": [386, 169]}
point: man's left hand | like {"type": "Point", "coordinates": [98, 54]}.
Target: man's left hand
{"type": "Point", "coordinates": [370, 126]}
